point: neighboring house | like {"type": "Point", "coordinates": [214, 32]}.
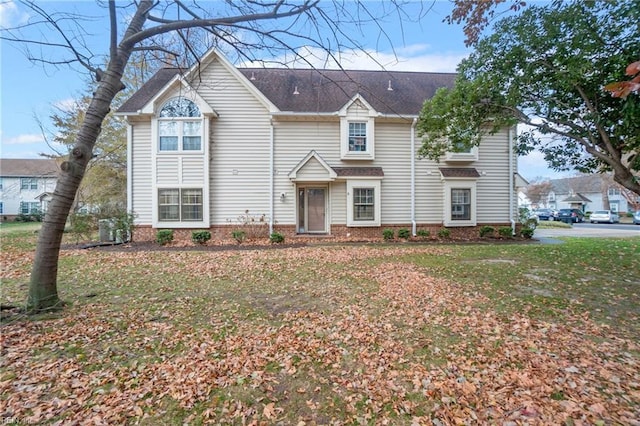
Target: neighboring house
{"type": "Point", "coordinates": [26, 186]}
{"type": "Point", "coordinates": [587, 193]}
{"type": "Point", "coordinates": [324, 152]}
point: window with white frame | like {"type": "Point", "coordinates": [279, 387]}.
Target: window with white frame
{"type": "Point", "coordinates": [460, 201]}
{"type": "Point", "coordinates": [357, 130]}
{"type": "Point", "coordinates": [28, 183]}
{"type": "Point", "coordinates": [180, 205]}
{"type": "Point", "coordinates": [1, 207]}
{"type": "Point", "coordinates": [29, 207]}
{"type": "Point", "coordinates": [363, 201]}
{"type": "Point", "coordinates": [613, 191]}
{"type": "Point", "coordinates": [364, 204]}
{"type": "Point", "coordinates": [460, 204]}
{"type": "Point", "coordinates": [357, 137]}
{"type": "Point", "coordinates": [180, 126]}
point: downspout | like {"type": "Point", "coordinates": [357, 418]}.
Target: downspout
{"type": "Point", "coordinates": [129, 166]}
{"type": "Point", "coordinates": [271, 179]}
{"type": "Point", "coordinates": [413, 177]}
{"type": "Point", "coordinates": [511, 178]}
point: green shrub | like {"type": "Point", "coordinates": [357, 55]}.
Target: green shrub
{"type": "Point", "coordinates": [276, 238]}
{"type": "Point", "coordinates": [404, 233]}
{"type": "Point", "coordinates": [444, 233]}
{"type": "Point", "coordinates": [239, 235]}
{"type": "Point", "coordinates": [387, 234]}
{"type": "Point", "coordinates": [82, 225]}
{"type": "Point", "coordinates": [486, 230]}
{"type": "Point", "coordinates": [200, 237]}
{"type": "Point", "coordinates": [164, 236]}
{"type": "Point", "coordinates": [527, 232]}
{"type": "Point", "coordinates": [505, 232]}
{"type": "Point", "coordinates": [423, 233]}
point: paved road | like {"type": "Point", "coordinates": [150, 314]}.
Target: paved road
{"type": "Point", "coordinates": [591, 230]}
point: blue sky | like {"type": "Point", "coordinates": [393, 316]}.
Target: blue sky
{"type": "Point", "coordinates": [31, 92]}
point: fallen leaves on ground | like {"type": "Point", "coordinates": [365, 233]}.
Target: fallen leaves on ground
{"type": "Point", "coordinates": [368, 341]}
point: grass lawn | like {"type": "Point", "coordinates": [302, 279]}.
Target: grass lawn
{"type": "Point", "coordinates": [397, 333]}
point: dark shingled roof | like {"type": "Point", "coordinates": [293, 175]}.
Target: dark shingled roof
{"type": "Point", "coordinates": [459, 172]}
{"type": "Point", "coordinates": [14, 167]}
{"type": "Point", "coordinates": [324, 91]}
{"type": "Point", "coordinates": [149, 90]}
{"type": "Point", "coordinates": [358, 171]}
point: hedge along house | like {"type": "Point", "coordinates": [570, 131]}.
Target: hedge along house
{"type": "Point", "coordinates": [313, 152]}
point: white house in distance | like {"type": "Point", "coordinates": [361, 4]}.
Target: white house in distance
{"type": "Point", "coordinates": [589, 192]}
{"type": "Point", "coordinates": [26, 186]}
{"type": "Point", "coordinates": [314, 152]}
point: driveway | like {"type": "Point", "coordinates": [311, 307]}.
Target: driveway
{"type": "Point", "coordinates": [590, 230]}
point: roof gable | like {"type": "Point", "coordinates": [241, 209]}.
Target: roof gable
{"type": "Point", "coordinates": [143, 101]}
{"type": "Point", "coordinates": [314, 161]}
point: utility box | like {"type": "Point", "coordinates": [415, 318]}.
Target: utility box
{"type": "Point", "coordinates": [105, 230]}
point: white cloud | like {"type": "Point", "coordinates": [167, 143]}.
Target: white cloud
{"type": "Point", "coordinates": [67, 105]}
{"type": "Point", "coordinates": [10, 15]}
{"type": "Point", "coordinates": [25, 139]}
{"type": "Point", "coordinates": [411, 58]}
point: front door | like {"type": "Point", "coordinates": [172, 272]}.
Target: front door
{"type": "Point", "coordinates": [312, 210]}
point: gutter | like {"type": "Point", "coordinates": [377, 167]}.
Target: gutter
{"type": "Point", "coordinates": [511, 178]}
{"type": "Point", "coordinates": [413, 177]}
{"type": "Point", "coordinates": [271, 173]}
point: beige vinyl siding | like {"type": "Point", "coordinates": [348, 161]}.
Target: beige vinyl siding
{"type": "Point", "coordinates": [239, 150]}
{"type": "Point", "coordinates": [338, 203]}
{"type": "Point", "coordinates": [167, 170]}
{"type": "Point", "coordinates": [294, 140]}
{"type": "Point", "coordinates": [142, 172]}
{"type": "Point", "coordinates": [493, 185]}
{"type": "Point", "coordinates": [393, 154]}
{"type": "Point", "coordinates": [193, 170]}
{"type": "Point", "coordinates": [312, 171]}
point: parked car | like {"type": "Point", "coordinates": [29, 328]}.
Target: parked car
{"type": "Point", "coordinates": [604, 216]}
{"type": "Point", "coordinates": [570, 215]}
{"type": "Point", "coordinates": [545, 214]}
{"type": "Point", "coordinates": [636, 218]}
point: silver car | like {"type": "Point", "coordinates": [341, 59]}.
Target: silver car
{"type": "Point", "coordinates": [636, 218]}
{"type": "Point", "coordinates": [604, 216]}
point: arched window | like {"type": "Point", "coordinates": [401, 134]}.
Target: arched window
{"type": "Point", "coordinates": [180, 126]}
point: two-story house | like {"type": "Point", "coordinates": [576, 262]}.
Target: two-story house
{"type": "Point", "coordinates": [328, 152]}
{"type": "Point", "coordinates": [588, 193]}
{"type": "Point", "coordinates": [26, 186]}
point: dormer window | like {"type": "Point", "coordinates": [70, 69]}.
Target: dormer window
{"type": "Point", "coordinates": [180, 126]}
{"type": "Point", "coordinates": [357, 126]}
{"type": "Point", "coordinates": [358, 137]}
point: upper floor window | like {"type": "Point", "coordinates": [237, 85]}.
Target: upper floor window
{"type": "Point", "coordinates": [357, 130]}
{"type": "Point", "coordinates": [358, 137]}
{"type": "Point", "coordinates": [614, 191]}
{"type": "Point", "coordinates": [180, 126]}
{"type": "Point", "coordinates": [28, 183]}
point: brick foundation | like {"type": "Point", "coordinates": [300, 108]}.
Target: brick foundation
{"type": "Point", "coordinates": [222, 233]}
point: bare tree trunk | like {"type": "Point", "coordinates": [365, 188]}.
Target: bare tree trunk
{"type": "Point", "coordinates": [43, 287]}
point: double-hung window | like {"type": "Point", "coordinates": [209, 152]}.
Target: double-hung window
{"type": "Point", "coordinates": [357, 137]}
{"type": "Point", "coordinates": [29, 207]}
{"type": "Point", "coordinates": [460, 204]}
{"type": "Point", "coordinates": [180, 126]}
{"type": "Point", "coordinates": [363, 201]}
{"type": "Point", "coordinates": [180, 204]}
{"type": "Point", "coordinates": [28, 183]}
{"type": "Point", "coordinates": [363, 204]}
